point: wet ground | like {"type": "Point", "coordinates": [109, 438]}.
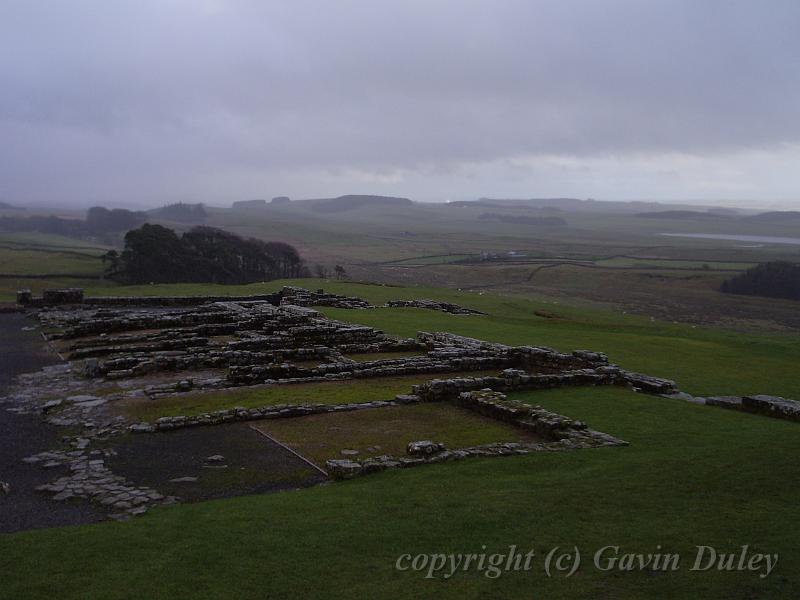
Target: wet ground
{"type": "Point", "coordinates": [175, 463]}
{"type": "Point", "coordinates": [24, 435]}
{"type": "Point", "coordinates": [203, 463]}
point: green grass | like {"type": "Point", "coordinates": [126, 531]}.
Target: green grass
{"type": "Point", "coordinates": [46, 240]}
{"type": "Point", "coordinates": [68, 262]}
{"type": "Point", "coordinates": [692, 475]}
{"type": "Point", "coordinates": [703, 360]}
{"type": "Point", "coordinates": [431, 260]}
{"type": "Point", "coordinates": [335, 392]}
{"type": "Point", "coordinates": [644, 263]}
{"type": "Point", "coordinates": [33, 262]}
{"type": "Point", "coordinates": [388, 431]}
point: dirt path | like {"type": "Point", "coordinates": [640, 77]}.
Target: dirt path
{"type": "Point", "coordinates": [24, 435]}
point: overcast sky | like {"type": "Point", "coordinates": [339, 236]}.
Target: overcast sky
{"type": "Point", "coordinates": [148, 101]}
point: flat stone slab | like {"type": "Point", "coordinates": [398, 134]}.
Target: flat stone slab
{"type": "Point", "coordinates": [772, 406]}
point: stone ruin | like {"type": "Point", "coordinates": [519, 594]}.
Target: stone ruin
{"type": "Point", "coordinates": [302, 297]}
{"type": "Point", "coordinates": [447, 307]}
{"type": "Point", "coordinates": [559, 432]}
{"type": "Point", "coordinates": [50, 297]}
{"type": "Point", "coordinates": [156, 347]}
{"type": "Point", "coordinates": [288, 295]}
{"type": "Point", "coordinates": [253, 342]}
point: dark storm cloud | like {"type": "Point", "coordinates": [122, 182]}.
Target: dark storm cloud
{"type": "Point", "coordinates": [183, 96]}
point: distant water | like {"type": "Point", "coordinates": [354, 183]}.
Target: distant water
{"type": "Point", "coordinates": [764, 239]}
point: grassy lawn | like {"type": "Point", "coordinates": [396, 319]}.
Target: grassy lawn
{"type": "Point", "coordinates": [31, 262]}
{"type": "Point", "coordinates": [24, 254]}
{"type": "Point", "coordinates": [693, 475]}
{"type": "Point", "coordinates": [351, 391]}
{"type": "Point", "coordinates": [388, 431]}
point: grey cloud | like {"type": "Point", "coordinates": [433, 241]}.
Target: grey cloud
{"type": "Point", "coordinates": [162, 94]}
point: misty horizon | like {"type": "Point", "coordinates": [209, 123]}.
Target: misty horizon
{"type": "Point", "coordinates": [149, 103]}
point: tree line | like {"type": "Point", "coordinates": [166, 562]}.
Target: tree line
{"type": "Point", "coordinates": [156, 254]}
{"type": "Point", "coordinates": [99, 221]}
{"type": "Point", "coordinates": [776, 279]}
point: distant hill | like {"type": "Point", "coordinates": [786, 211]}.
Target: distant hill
{"type": "Point", "coordinates": [525, 220]}
{"type": "Point", "coordinates": [781, 216]}
{"type": "Point", "coordinates": [354, 201]}
{"type": "Point", "coordinates": [249, 204]}
{"type": "Point", "coordinates": [181, 213]}
{"type": "Point", "coordinates": [99, 222]}
{"type": "Point", "coordinates": [7, 206]}
{"type": "Point", "coordinates": [681, 214]}
{"type": "Point", "coordinates": [595, 206]}
{"type": "Point", "coordinates": [281, 200]}
{"type": "Point", "coordinates": [485, 203]}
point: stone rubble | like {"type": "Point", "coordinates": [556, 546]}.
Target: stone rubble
{"type": "Point", "coordinates": [150, 348]}
{"type": "Point", "coordinates": [770, 406]}
{"type": "Point", "coordinates": [89, 478]}
{"type": "Point", "coordinates": [424, 448]}
{"type": "Point", "coordinates": [453, 309]}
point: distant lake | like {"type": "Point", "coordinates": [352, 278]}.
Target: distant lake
{"type": "Point", "coordinates": [763, 239]}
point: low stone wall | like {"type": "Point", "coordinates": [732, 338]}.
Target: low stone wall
{"type": "Point", "coordinates": [303, 297]}
{"type": "Point", "coordinates": [277, 411]}
{"type": "Point", "coordinates": [62, 296]}
{"type": "Point", "coordinates": [454, 309]}
{"type": "Point", "coordinates": [527, 357]}
{"type": "Point", "coordinates": [560, 432]}
{"type": "Point", "coordinates": [174, 301]}
{"type": "Point", "coordinates": [769, 406]}
{"type": "Point", "coordinates": [55, 297]}
{"type": "Point", "coordinates": [511, 380]}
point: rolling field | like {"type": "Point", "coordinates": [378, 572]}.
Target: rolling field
{"type": "Point", "coordinates": [693, 475]}
{"type": "Point", "coordinates": [38, 261]}
{"type": "Point", "coordinates": [334, 392]}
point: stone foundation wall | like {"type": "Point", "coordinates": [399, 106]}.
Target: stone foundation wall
{"type": "Point", "coordinates": [558, 431]}
{"type": "Point", "coordinates": [770, 406]}
{"type": "Point", "coordinates": [447, 307]}
{"type": "Point", "coordinates": [302, 297]}
{"type": "Point", "coordinates": [62, 296]}
{"type": "Point", "coordinates": [277, 411]}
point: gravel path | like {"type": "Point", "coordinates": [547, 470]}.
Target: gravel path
{"type": "Point", "coordinates": [24, 435]}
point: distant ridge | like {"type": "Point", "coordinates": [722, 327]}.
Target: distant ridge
{"type": "Point", "coordinates": [596, 206]}
{"type": "Point", "coordinates": [249, 204]}
{"type": "Point", "coordinates": [780, 216]}
{"type": "Point", "coordinates": [681, 214]}
{"type": "Point", "coordinates": [353, 201]}
{"type": "Point", "coordinates": [525, 220]}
